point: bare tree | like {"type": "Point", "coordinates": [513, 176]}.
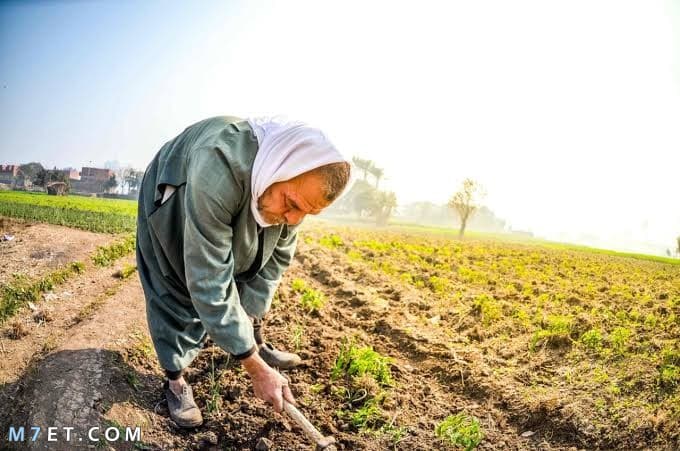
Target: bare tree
{"type": "Point", "coordinates": [466, 201]}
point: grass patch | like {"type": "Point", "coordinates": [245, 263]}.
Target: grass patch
{"type": "Point", "coordinates": [106, 255]}
{"type": "Point", "coordinates": [618, 339]}
{"type": "Point", "coordinates": [126, 271]}
{"type": "Point", "coordinates": [366, 374]}
{"type": "Point", "coordinates": [296, 337]}
{"type": "Point", "coordinates": [312, 300]}
{"type": "Point", "coordinates": [556, 332]}
{"type": "Point", "coordinates": [488, 308]}
{"type": "Point", "coordinates": [460, 430]}
{"type": "Point", "coordinates": [669, 371]}
{"type": "Point", "coordinates": [592, 340]}
{"type": "Point", "coordinates": [215, 391]}
{"type": "Point", "coordinates": [331, 241]}
{"type": "Point", "coordinates": [368, 416]}
{"type": "Point", "coordinates": [132, 379]}
{"type": "Point", "coordinates": [354, 362]}
{"type": "Point", "coordinates": [298, 285]}
{"type": "Point", "coordinates": [20, 292]}
{"type": "Point", "coordinates": [141, 351]}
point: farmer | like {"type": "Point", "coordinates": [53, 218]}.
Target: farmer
{"type": "Point", "coordinates": [217, 223]}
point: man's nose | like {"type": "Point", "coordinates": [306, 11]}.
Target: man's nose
{"type": "Point", "coordinates": [293, 218]}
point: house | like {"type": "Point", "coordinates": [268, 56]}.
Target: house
{"type": "Point", "coordinates": [92, 180]}
{"type": "Point", "coordinates": [8, 173]}
{"type": "Point", "coordinates": [95, 174]}
{"type": "Point", "coordinates": [71, 173]}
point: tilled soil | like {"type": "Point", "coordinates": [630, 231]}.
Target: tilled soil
{"type": "Point", "coordinates": [103, 372]}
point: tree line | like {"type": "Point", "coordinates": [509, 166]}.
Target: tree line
{"type": "Point", "coordinates": [366, 200]}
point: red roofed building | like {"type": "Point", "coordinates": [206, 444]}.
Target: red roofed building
{"type": "Point", "coordinates": [92, 180]}
{"type": "Point", "coordinates": [8, 173]}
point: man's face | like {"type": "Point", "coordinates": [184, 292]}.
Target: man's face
{"type": "Point", "coordinates": [288, 202]}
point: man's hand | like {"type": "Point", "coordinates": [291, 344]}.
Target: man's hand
{"type": "Point", "coordinates": [268, 384]}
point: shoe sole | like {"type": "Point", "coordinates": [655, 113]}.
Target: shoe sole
{"type": "Point", "coordinates": [187, 425]}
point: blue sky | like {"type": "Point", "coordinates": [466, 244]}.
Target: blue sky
{"type": "Point", "coordinates": [78, 75]}
{"type": "Point", "coordinates": [567, 112]}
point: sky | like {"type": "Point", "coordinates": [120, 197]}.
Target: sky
{"type": "Point", "coordinates": [568, 113]}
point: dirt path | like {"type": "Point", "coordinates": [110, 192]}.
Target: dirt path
{"type": "Point", "coordinates": [44, 371]}
{"type": "Point", "coordinates": [30, 334]}
{"type": "Point", "coordinates": [101, 371]}
{"type": "Point", "coordinates": [37, 248]}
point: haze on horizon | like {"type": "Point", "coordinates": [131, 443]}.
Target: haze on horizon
{"type": "Point", "coordinates": [567, 112]}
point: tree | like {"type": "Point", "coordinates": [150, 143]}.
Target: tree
{"type": "Point", "coordinates": [364, 165]}
{"type": "Point", "coordinates": [28, 172]}
{"type": "Point", "coordinates": [41, 178]}
{"type": "Point", "coordinates": [46, 177]}
{"type": "Point", "coordinates": [678, 249]}
{"type": "Point", "coordinates": [363, 197]}
{"type": "Point", "coordinates": [377, 173]}
{"type": "Point", "coordinates": [110, 184]}
{"type": "Point", "coordinates": [385, 203]}
{"type": "Point", "coordinates": [466, 201]}
{"type": "Point", "coordinates": [132, 178]}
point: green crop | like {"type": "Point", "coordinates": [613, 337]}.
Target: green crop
{"type": "Point", "coordinates": [356, 361]}
{"type": "Point", "coordinates": [94, 214]}
{"type": "Point", "coordinates": [460, 430]}
{"type": "Point", "coordinates": [312, 300]}
{"type": "Point", "coordinates": [106, 255]}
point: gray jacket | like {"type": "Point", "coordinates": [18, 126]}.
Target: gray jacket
{"type": "Point", "coordinates": [195, 249]}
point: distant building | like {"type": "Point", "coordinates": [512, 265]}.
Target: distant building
{"type": "Point", "coordinates": [8, 173]}
{"type": "Point", "coordinates": [95, 174]}
{"type": "Point", "coordinates": [71, 173]}
{"type": "Point", "coordinates": [92, 180]}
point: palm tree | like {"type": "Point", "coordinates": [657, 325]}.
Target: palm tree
{"type": "Point", "coordinates": [364, 165]}
{"type": "Point", "coordinates": [377, 173]}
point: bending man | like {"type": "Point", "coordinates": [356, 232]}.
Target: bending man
{"type": "Point", "coordinates": [217, 223]}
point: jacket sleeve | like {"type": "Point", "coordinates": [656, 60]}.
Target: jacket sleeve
{"type": "Point", "coordinates": [257, 293]}
{"type": "Point", "coordinates": [212, 196]}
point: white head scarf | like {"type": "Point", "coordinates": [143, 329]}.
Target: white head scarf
{"type": "Point", "coordinates": [286, 150]}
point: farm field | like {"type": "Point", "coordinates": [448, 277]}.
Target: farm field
{"type": "Point", "coordinates": [411, 340]}
{"type": "Point", "coordinates": [93, 214]}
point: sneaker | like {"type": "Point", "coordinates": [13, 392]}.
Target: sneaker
{"type": "Point", "coordinates": [183, 409]}
{"type": "Point", "coordinates": [280, 359]}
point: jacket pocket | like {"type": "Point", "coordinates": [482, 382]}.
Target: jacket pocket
{"type": "Point", "coordinates": [167, 226]}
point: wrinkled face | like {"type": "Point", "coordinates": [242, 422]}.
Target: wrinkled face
{"type": "Point", "coordinates": [288, 202]}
